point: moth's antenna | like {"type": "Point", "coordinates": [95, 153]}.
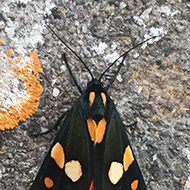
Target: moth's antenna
{"type": "Point", "coordinates": [124, 55]}
{"type": "Point", "coordinates": [114, 77]}
{"type": "Point", "coordinates": [71, 50]}
{"type": "Point", "coordinates": [72, 76]}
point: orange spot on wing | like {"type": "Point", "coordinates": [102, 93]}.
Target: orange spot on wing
{"type": "Point", "coordinates": [57, 153]}
{"type": "Point", "coordinates": [104, 98]}
{"type": "Point", "coordinates": [127, 158]}
{"type": "Point", "coordinates": [96, 132]}
{"type": "Point", "coordinates": [100, 131]}
{"type": "Point", "coordinates": [134, 185]}
{"type": "Point", "coordinates": [48, 182]}
{"type": "Point", "coordinates": [91, 98]}
{"type": "Point", "coordinates": [91, 128]}
{"type": "Point", "coordinates": [1, 41]}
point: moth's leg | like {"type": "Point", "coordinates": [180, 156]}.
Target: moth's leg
{"type": "Point", "coordinates": [131, 125]}
{"type": "Point", "coordinates": [53, 127]}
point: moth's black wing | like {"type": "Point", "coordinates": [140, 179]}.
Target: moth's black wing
{"type": "Point", "coordinates": [112, 152]}
{"type": "Point", "coordinates": [91, 150]}
{"type": "Point", "coordinates": [73, 138]}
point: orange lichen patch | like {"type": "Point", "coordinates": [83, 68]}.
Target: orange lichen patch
{"type": "Point", "coordinates": [62, 10]}
{"type": "Point", "coordinates": [91, 98]}
{"type": "Point", "coordinates": [4, 147]}
{"type": "Point", "coordinates": [127, 158]}
{"type": "Point", "coordinates": [1, 41]}
{"type": "Point", "coordinates": [134, 185]}
{"type": "Point", "coordinates": [9, 52]}
{"type": "Point", "coordinates": [100, 130]}
{"type": "Point", "coordinates": [104, 98]}
{"type": "Point", "coordinates": [115, 172]}
{"type": "Point", "coordinates": [110, 9]}
{"type": "Point", "coordinates": [125, 38]}
{"type": "Point", "coordinates": [57, 153]}
{"type": "Point", "coordinates": [73, 170]}
{"type": "Point", "coordinates": [18, 102]}
{"type": "Point", "coordinates": [48, 182]}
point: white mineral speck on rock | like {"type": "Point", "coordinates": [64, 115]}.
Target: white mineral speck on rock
{"type": "Point", "coordinates": [136, 55]}
{"type": "Point", "coordinates": [122, 5]}
{"type": "Point", "coordinates": [166, 10]}
{"type": "Point", "coordinates": [63, 68]}
{"type": "Point", "coordinates": [114, 46]}
{"type": "Point", "coordinates": [84, 29]}
{"type": "Point", "coordinates": [2, 25]}
{"type": "Point", "coordinates": [145, 14]}
{"type": "Point", "coordinates": [139, 21]}
{"type": "Point", "coordinates": [53, 82]}
{"type": "Point", "coordinates": [0, 174]}
{"type": "Point", "coordinates": [139, 90]}
{"type": "Point", "coordinates": [154, 157]}
{"type": "Point", "coordinates": [187, 184]}
{"type": "Point", "coordinates": [119, 78]}
{"type": "Point", "coordinates": [55, 92]}
{"type": "Point", "coordinates": [77, 23]}
{"type": "Point", "coordinates": [100, 49]}
{"type": "Point", "coordinates": [110, 58]}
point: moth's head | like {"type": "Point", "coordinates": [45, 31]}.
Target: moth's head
{"type": "Point", "coordinates": [94, 83]}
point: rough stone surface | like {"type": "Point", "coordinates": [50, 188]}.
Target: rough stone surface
{"type": "Point", "coordinates": [161, 140]}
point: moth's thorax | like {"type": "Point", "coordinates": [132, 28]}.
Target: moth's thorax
{"type": "Point", "coordinates": [97, 108]}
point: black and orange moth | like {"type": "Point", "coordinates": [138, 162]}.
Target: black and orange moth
{"type": "Point", "coordinates": [91, 150]}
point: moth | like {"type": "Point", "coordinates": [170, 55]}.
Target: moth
{"type": "Point", "coordinates": [91, 150]}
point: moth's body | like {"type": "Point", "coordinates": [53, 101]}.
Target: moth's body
{"type": "Point", "coordinates": [91, 150]}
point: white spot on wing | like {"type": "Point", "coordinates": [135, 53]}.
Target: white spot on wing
{"type": "Point", "coordinates": [73, 170]}
{"type": "Point", "coordinates": [115, 172]}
